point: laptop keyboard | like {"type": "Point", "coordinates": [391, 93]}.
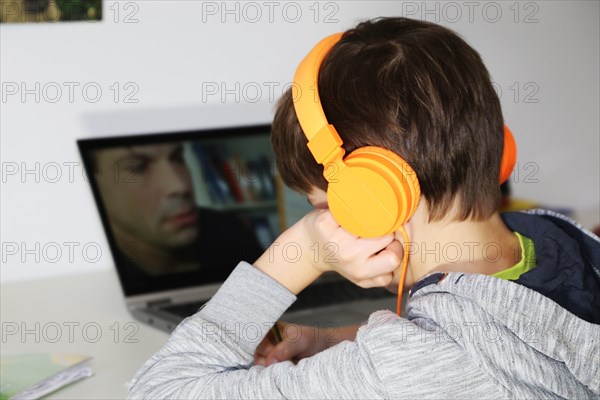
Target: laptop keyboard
{"type": "Point", "coordinates": [319, 295]}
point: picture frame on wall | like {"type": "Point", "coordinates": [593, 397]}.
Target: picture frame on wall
{"type": "Point", "coordinates": [22, 11]}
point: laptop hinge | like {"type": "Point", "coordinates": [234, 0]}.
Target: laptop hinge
{"type": "Point", "coordinates": [159, 303]}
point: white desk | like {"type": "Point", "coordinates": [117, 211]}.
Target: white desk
{"type": "Point", "coordinates": [61, 308]}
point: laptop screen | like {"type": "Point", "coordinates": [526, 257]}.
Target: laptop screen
{"type": "Point", "coordinates": [182, 209]}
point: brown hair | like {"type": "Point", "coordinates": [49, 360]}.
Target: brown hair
{"type": "Point", "coordinates": [415, 88]}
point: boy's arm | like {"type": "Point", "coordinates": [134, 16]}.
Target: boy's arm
{"type": "Point", "coordinates": [209, 355]}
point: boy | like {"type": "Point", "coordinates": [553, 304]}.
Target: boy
{"type": "Point", "coordinates": [500, 306]}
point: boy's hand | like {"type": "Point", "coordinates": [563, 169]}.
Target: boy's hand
{"type": "Point", "coordinates": [317, 244]}
{"type": "Point", "coordinates": [367, 262]}
{"type": "Point", "coordinates": [303, 343]}
{"type": "Point", "coordinates": [300, 342]}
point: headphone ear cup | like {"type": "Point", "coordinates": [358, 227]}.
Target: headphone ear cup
{"type": "Point", "coordinates": [375, 194]}
{"type": "Point", "coordinates": [509, 155]}
{"type": "Point", "coordinates": [400, 175]}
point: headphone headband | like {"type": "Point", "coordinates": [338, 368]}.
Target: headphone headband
{"type": "Point", "coordinates": [304, 90]}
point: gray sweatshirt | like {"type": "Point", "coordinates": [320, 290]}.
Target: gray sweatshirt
{"type": "Point", "coordinates": [465, 336]}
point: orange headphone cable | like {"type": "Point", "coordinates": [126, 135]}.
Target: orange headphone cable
{"type": "Point", "coordinates": [403, 270]}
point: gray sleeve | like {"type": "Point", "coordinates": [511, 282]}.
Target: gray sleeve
{"type": "Point", "coordinates": [210, 354]}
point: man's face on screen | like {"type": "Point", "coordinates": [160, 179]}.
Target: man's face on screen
{"type": "Point", "coordinates": [148, 194]}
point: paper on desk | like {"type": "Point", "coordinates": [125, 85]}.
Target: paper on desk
{"type": "Point", "coordinates": [31, 376]}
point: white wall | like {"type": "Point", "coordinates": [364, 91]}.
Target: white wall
{"type": "Point", "coordinates": [177, 47]}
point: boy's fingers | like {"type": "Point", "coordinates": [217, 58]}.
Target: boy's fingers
{"type": "Point", "coordinates": [382, 263]}
{"type": "Point", "coordinates": [324, 218]}
{"type": "Point", "coordinates": [330, 229]}
{"type": "Point", "coordinates": [378, 281]}
{"type": "Point", "coordinates": [375, 245]}
{"type": "Point", "coordinates": [267, 356]}
{"type": "Point", "coordinates": [263, 349]}
{"type": "Point", "coordinates": [360, 249]}
{"type": "Point", "coordinates": [396, 248]}
{"type": "Point", "coordinates": [260, 361]}
{"type": "Point", "coordinates": [282, 352]}
{"type": "Point", "coordinates": [359, 259]}
{"type": "Point", "coordinates": [288, 350]}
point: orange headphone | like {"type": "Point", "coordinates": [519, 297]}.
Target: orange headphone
{"type": "Point", "coordinates": [373, 191]}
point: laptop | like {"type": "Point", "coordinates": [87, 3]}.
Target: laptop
{"type": "Point", "coordinates": [181, 209]}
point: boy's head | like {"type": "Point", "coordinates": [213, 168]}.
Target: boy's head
{"type": "Point", "coordinates": [414, 88]}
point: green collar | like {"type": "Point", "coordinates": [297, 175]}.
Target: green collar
{"type": "Point", "coordinates": [526, 264]}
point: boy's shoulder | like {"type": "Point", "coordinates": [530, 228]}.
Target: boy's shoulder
{"type": "Point", "coordinates": [479, 321]}
{"type": "Point", "coordinates": [567, 258]}
{"type": "Point", "coordinates": [547, 222]}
